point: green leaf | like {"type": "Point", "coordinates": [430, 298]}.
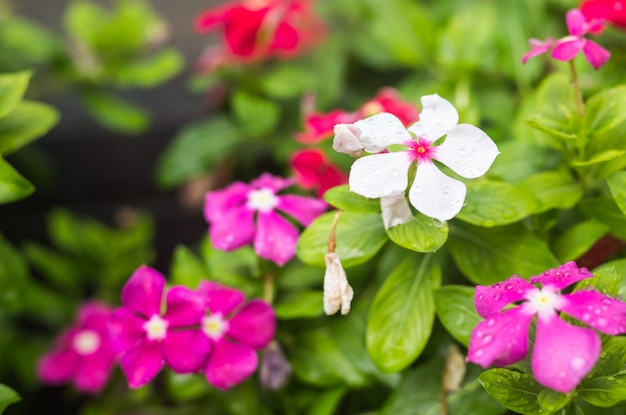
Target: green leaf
{"type": "Point", "coordinates": [61, 271]}
{"type": "Point", "coordinates": [606, 386]}
{"type": "Point", "coordinates": [187, 269]}
{"type": "Point", "coordinates": [617, 186]}
{"type": "Point", "coordinates": [514, 390]}
{"type": "Point", "coordinates": [455, 308]}
{"type": "Point", "coordinates": [492, 203]}
{"type": "Point", "coordinates": [342, 198]}
{"type": "Point", "coordinates": [327, 402]}
{"type": "Point", "coordinates": [300, 304]}
{"type": "Point", "coordinates": [359, 237]}
{"type": "Point", "coordinates": [552, 190]}
{"type": "Point", "coordinates": [552, 401]}
{"type": "Point", "coordinates": [196, 150]}
{"type": "Point", "coordinates": [7, 397]}
{"type": "Point", "coordinates": [578, 239]}
{"type": "Point", "coordinates": [83, 19]}
{"type": "Point", "coordinates": [419, 234]}
{"type": "Point", "coordinates": [115, 113]}
{"type": "Point", "coordinates": [27, 121]}
{"type": "Point", "coordinates": [287, 81]}
{"type": "Point", "coordinates": [150, 71]}
{"type": "Point", "coordinates": [519, 160]}
{"type": "Point", "coordinates": [606, 211]}
{"type": "Point", "coordinates": [402, 313]}
{"type": "Point", "coordinates": [257, 116]}
{"type": "Point", "coordinates": [418, 392]}
{"type": "Point", "coordinates": [619, 269]}
{"type": "Point", "coordinates": [490, 255]}
{"type": "Point", "coordinates": [14, 278]}
{"type": "Point", "coordinates": [600, 157]}
{"type": "Point", "coordinates": [12, 185]}
{"type": "Point", "coordinates": [12, 88]}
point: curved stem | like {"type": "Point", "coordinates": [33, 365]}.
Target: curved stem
{"type": "Point", "coordinates": [580, 106]}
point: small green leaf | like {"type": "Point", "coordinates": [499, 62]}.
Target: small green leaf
{"type": "Point", "coordinates": [419, 234]}
{"type": "Point", "coordinates": [551, 190]}
{"type": "Point", "coordinates": [27, 121]}
{"type": "Point", "coordinates": [287, 81]}
{"type": "Point", "coordinates": [514, 390]}
{"type": "Point", "coordinates": [606, 385]}
{"type": "Point", "coordinates": [12, 88]}
{"type": "Point", "coordinates": [456, 311]}
{"type": "Point", "coordinates": [600, 158]}
{"type": "Point", "coordinates": [327, 402]}
{"type": "Point", "coordinates": [187, 269]}
{"type": "Point", "coordinates": [83, 19]}
{"type": "Point", "coordinates": [606, 211]}
{"type": "Point", "coordinates": [115, 113]}
{"type": "Point", "coordinates": [402, 314]}
{"type": "Point", "coordinates": [14, 277]}
{"type": "Point", "coordinates": [577, 240]}
{"type": "Point", "coordinates": [359, 237]}
{"type": "Point", "coordinates": [552, 401]}
{"type": "Point", "coordinates": [617, 186]}
{"type": "Point", "coordinates": [151, 71]}
{"type": "Point", "coordinates": [12, 185]}
{"type": "Point", "coordinates": [256, 115]}
{"type": "Point", "coordinates": [342, 198]}
{"type": "Point", "coordinates": [300, 304]}
{"type": "Point", "coordinates": [7, 397]}
{"type": "Point", "coordinates": [619, 267]}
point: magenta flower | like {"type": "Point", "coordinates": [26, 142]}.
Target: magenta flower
{"type": "Point", "coordinates": [231, 215]}
{"type": "Point", "coordinates": [563, 354]}
{"type": "Point", "coordinates": [235, 332]}
{"type": "Point", "coordinates": [146, 338]}
{"type": "Point", "coordinates": [82, 353]}
{"type": "Point", "coordinates": [567, 48]}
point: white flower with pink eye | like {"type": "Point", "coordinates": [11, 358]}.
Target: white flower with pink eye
{"type": "Point", "coordinates": [466, 150]}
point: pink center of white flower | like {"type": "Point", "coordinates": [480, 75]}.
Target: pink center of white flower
{"type": "Point", "coordinates": [214, 326]}
{"type": "Point", "coordinates": [543, 301]}
{"type": "Point", "coordinates": [86, 342]}
{"type": "Point", "coordinates": [156, 328]}
{"type": "Point", "coordinates": [263, 200]}
{"type": "Point", "coordinates": [420, 150]}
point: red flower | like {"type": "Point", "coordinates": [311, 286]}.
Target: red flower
{"type": "Point", "coordinates": [314, 170]}
{"type": "Point", "coordinates": [613, 11]}
{"type": "Point", "coordinates": [258, 29]}
{"type": "Point", "coordinates": [388, 100]}
{"type": "Point", "coordinates": [318, 126]}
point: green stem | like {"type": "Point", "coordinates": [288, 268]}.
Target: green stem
{"type": "Point", "coordinates": [580, 106]}
{"type": "Point", "coordinates": [268, 287]}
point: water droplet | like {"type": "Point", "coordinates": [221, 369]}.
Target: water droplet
{"type": "Point", "coordinates": [601, 322]}
{"type": "Point", "coordinates": [439, 126]}
{"type": "Point", "coordinates": [438, 223]}
{"type": "Point", "coordinates": [577, 363]}
{"type": "Point", "coordinates": [417, 189]}
{"type": "Point", "coordinates": [462, 152]}
{"type": "Point", "coordinates": [607, 301]}
{"type": "Point", "coordinates": [487, 339]}
{"type": "Point", "coordinates": [395, 172]}
{"type": "Point", "coordinates": [497, 297]}
{"type": "Point", "coordinates": [586, 317]}
{"type": "Point", "coordinates": [491, 322]}
{"type": "Point", "coordinates": [508, 287]}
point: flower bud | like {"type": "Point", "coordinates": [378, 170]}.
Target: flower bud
{"type": "Point", "coordinates": [337, 292]}
{"type": "Point", "coordinates": [347, 140]}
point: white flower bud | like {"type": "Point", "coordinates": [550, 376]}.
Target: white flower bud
{"type": "Point", "coordinates": [347, 140]}
{"type": "Point", "coordinates": [337, 292]}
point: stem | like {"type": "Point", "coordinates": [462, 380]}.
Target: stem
{"type": "Point", "coordinates": [332, 241]}
{"type": "Point", "coordinates": [268, 287]}
{"type": "Point", "coordinates": [577, 94]}
{"type": "Point", "coordinates": [443, 400]}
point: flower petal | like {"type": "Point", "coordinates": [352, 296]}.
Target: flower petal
{"type": "Point", "coordinates": [186, 351]}
{"type": "Point", "coordinates": [576, 22]}
{"type": "Point", "coordinates": [501, 340]}
{"type": "Point", "coordinates": [275, 238]}
{"type": "Point", "coordinates": [595, 54]}
{"type": "Point", "coordinates": [380, 131]}
{"type": "Point", "coordinates": [254, 325]}
{"type": "Point", "coordinates": [595, 309]}
{"type": "Point", "coordinates": [538, 47]}
{"type": "Point", "coordinates": [490, 300]}
{"type": "Point", "coordinates": [230, 364]}
{"type": "Point", "coordinates": [219, 203]}
{"type": "Point", "coordinates": [347, 141]}
{"type": "Point", "coordinates": [380, 175]}
{"type": "Point", "coordinates": [94, 370]}
{"type": "Point", "coordinates": [563, 354]}
{"type": "Point", "coordinates": [233, 230]}
{"type": "Point", "coordinates": [125, 330]}
{"type": "Point", "coordinates": [395, 211]}
{"type": "Point", "coordinates": [303, 209]}
{"type": "Point", "coordinates": [144, 291]}
{"type": "Point", "coordinates": [271, 182]}
{"type": "Point", "coordinates": [468, 151]}
{"type": "Point", "coordinates": [185, 307]}
{"type": "Point", "coordinates": [58, 366]}
{"type": "Point", "coordinates": [141, 364]}
{"type": "Point", "coordinates": [438, 117]}
{"type": "Point", "coordinates": [566, 50]}
{"type": "Point", "coordinates": [220, 298]}
{"type": "Point", "coordinates": [561, 277]}
{"type": "Point", "coordinates": [436, 195]}
{"type": "Point", "coordinates": [93, 313]}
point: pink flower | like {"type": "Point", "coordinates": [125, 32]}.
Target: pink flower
{"type": "Point", "coordinates": [613, 11]}
{"type": "Point", "coordinates": [563, 354]}
{"type": "Point", "coordinates": [388, 100]}
{"type": "Point", "coordinates": [313, 170]}
{"type": "Point", "coordinates": [319, 126]}
{"type": "Point", "coordinates": [236, 331]}
{"type": "Point", "coordinates": [566, 49]}
{"type": "Point", "coordinates": [82, 353]}
{"type": "Point", "coordinates": [244, 213]}
{"type": "Point", "coordinates": [258, 29]}
{"type": "Point", "coordinates": [146, 339]}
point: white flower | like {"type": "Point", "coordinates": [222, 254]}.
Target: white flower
{"type": "Point", "coordinates": [466, 150]}
{"type": "Point", "coordinates": [347, 140]}
{"type": "Point", "coordinates": [337, 292]}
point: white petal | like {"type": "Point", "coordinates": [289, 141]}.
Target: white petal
{"type": "Point", "coordinates": [435, 194]}
{"type": "Point", "coordinates": [380, 131]}
{"type": "Point", "coordinates": [380, 175]}
{"type": "Point", "coordinates": [468, 151]}
{"type": "Point", "coordinates": [337, 291]}
{"type": "Point", "coordinates": [437, 118]}
{"type": "Point", "coordinates": [395, 211]}
{"type": "Point", "coordinates": [347, 140]}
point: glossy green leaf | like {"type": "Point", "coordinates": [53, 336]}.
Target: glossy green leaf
{"type": "Point", "coordinates": [492, 203]}
{"type": "Point", "coordinates": [7, 397]}
{"type": "Point", "coordinates": [606, 211]}
{"type": "Point", "coordinates": [187, 269]}
{"type": "Point", "coordinates": [255, 115]}
{"type": "Point", "coordinates": [27, 121]}
{"type": "Point", "coordinates": [617, 186]}
{"type": "Point", "coordinates": [328, 402]}
{"type": "Point", "coordinates": [606, 386]}
{"type": "Point", "coordinates": [519, 160]}
{"type": "Point", "coordinates": [359, 237]}
{"type": "Point", "coordinates": [455, 308]}
{"type": "Point", "coordinates": [402, 314]}
{"type": "Point", "coordinates": [513, 390]}
{"type": "Point", "coordinates": [619, 267]}
{"type": "Point", "coordinates": [196, 150]}
{"type": "Point", "coordinates": [12, 185]}
{"type": "Point", "coordinates": [490, 255]}
{"type": "Point", "coordinates": [12, 88]}
{"type": "Point", "coordinates": [300, 304]}
{"type": "Point", "coordinates": [342, 198]}
{"type": "Point", "coordinates": [577, 240]}
{"type": "Point", "coordinates": [600, 157]}
{"type": "Point", "coordinates": [420, 234]}
{"type": "Point", "coordinates": [115, 113]}
{"type": "Point", "coordinates": [552, 401]}
{"type": "Point", "coordinates": [150, 71]}
{"type": "Point", "coordinates": [551, 190]}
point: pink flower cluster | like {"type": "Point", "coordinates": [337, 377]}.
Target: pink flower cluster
{"type": "Point", "coordinates": [207, 330]}
{"type": "Point", "coordinates": [563, 353]}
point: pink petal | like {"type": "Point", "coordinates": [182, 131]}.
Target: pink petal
{"type": "Point", "coordinates": [185, 307]}
{"type": "Point", "coordinates": [380, 175]}
{"type": "Point", "coordinates": [233, 230]}
{"type": "Point", "coordinates": [595, 54]}
{"type": "Point", "coordinates": [285, 39]}
{"type": "Point", "coordinates": [275, 238]}
{"type": "Point", "coordinates": [219, 298]}
{"type": "Point", "coordinates": [566, 50]}
{"type": "Point", "coordinates": [144, 291]}
{"type": "Point", "coordinates": [501, 339]}
{"type": "Point", "coordinates": [220, 203]}
{"type": "Point", "coordinates": [230, 364]}
{"type": "Point", "coordinates": [303, 209]}
{"type": "Point", "coordinates": [254, 325]}
{"type": "Point", "coordinates": [94, 370]}
{"type": "Point", "coordinates": [538, 47]}
{"type": "Point", "coordinates": [380, 131]}
{"type": "Point", "coordinates": [274, 183]}
{"type": "Point", "coordinates": [563, 353]}
{"type": "Point", "coordinates": [93, 313]}
{"type": "Point", "coordinates": [125, 330]}
{"type": "Point", "coordinates": [434, 194]}
{"type": "Point", "coordinates": [186, 351]}
{"type": "Point", "coordinates": [209, 19]}
{"type": "Point", "coordinates": [58, 366]}
{"type": "Point", "coordinates": [313, 170]}
{"type": "Point", "coordinates": [603, 313]}
{"type": "Point", "coordinates": [320, 126]}
{"type": "Point", "coordinates": [490, 300]}
{"type": "Point", "coordinates": [141, 364]}
{"type": "Point", "coordinates": [576, 22]}
{"type": "Point", "coordinates": [561, 277]}
{"type": "Point", "coordinates": [437, 118]}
